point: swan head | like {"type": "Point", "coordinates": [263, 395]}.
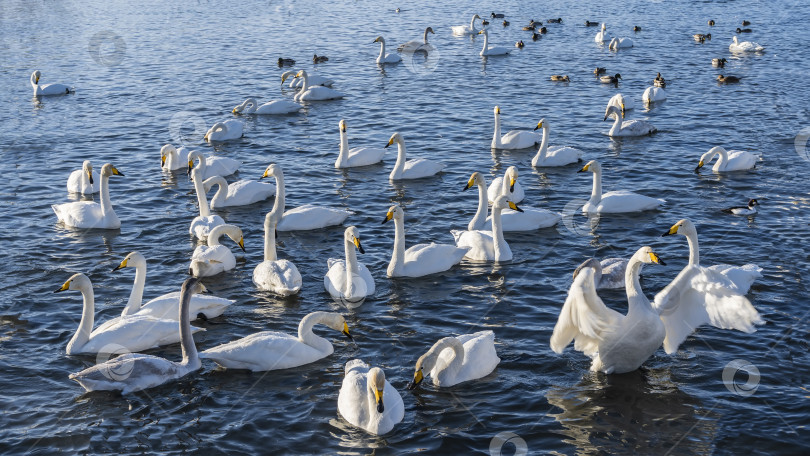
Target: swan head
{"type": "Point", "coordinates": [647, 256]}
{"type": "Point", "coordinates": [512, 174]}
{"type": "Point", "coordinates": [592, 166]}
{"type": "Point", "coordinates": [87, 168]}
{"type": "Point", "coordinates": [476, 179]}
{"type": "Point", "coordinates": [497, 110]}
{"type": "Point", "coordinates": [213, 129]}
{"type": "Point", "coordinates": [708, 156]}
{"type": "Point", "coordinates": [133, 260]}
{"type": "Point", "coordinates": [418, 375]}
{"type": "Point", "coordinates": [193, 155]}
{"type": "Point", "coordinates": [235, 233]}
{"type": "Point", "coordinates": [483, 32]}
{"type": "Point", "coordinates": [301, 74]}
{"type": "Point", "coordinates": [241, 107]}
{"type": "Point", "coordinates": [287, 74]}
{"type": "Point", "coordinates": [430, 30]}
{"type": "Point", "coordinates": [541, 124]}
{"type": "Point", "coordinates": [109, 170]}
{"type": "Point", "coordinates": [379, 39]}
{"type": "Point", "coordinates": [35, 77]}
{"type": "Point", "coordinates": [342, 125]}
{"type": "Point", "coordinates": [395, 138]}
{"type": "Point", "coordinates": [76, 282]}
{"type": "Point", "coordinates": [272, 170]}
{"type": "Point", "coordinates": [394, 213]}
{"type": "Point", "coordinates": [165, 152]}
{"type": "Point", "coordinates": [352, 235]}
{"type": "Point", "coordinates": [592, 263]}
{"type": "Point", "coordinates": [334, 321]}
{"type": "Point", "coordinates": [684, 227]}
{"type": "Point", "coordinates": [376, 383]}
{"type": "Point", "coordinates": [503, 202]}
{"type": "Point", "coordinates": [613, 110]}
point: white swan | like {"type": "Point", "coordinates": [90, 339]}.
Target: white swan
{"type": "Point", "coordinates": [301, 218]}
{"type": "Point", "coordinates": [274, 107]}
{"type": "Point", "coordinates": [480, 217]}
{"type": "Point", "coordinates": [367, 400]}
{"type": "Point", "coordinates": [487, 51]}
{"type": "Point", "coordinates": [603, 35]}
{"type": "Point", "coordinates": [383, 57]}
{"type": "Point", "coordinates": [527, 219]}
{"type": "Point", "coordinates": [132, 333]}
{"type": "Point", "coordinates": [165, 306]}
{"type": "Point", "coordinates": [208, 166]}
{"type": "Point", "coordinates": [454, 360]}
{"type": "Point", "coordinates": [172, 159]}
{"type": "Point", "coordinates": [506, 185]}
{"type": "Point", "coordinates": [224, 131]}
{"type": "Point", "coordinates": [313, 80]}
{"type": "Point", "coordinates": [616, 201]}
{"type": "Point", "coordinates": [214, 258]}
{"type": "Point", "coordinates": [349, 280]}
{"type": "Point", "coordinates": [421, 259]}
{"type": "Point", "coordinates": [314, 93]}
{"type": "Point", "coordinates": [136, 372]}
{"type": "Point", "coordinates": [733, 160]}
{"type": "Point", "coordinates": [416, 168]}
{"type": "Point", "coordinates": [653, 94]}
{"type": "Point", "coordinates": [278, 276]}
{"type": "Point", "coordinates": [239, 193]}
{"type": "Point", "coordinates": [745, 46]}
{"type": "Point", "coordinates": [741, 276]}
{"type": "Point", "coordinates": [359, 156]}
{"type": "Point", "coordinates": [273, 350]}
{"type": "Point", "coordinates": [627, 128]}
{"type": "Point", "coordinates": [463, 30]}
{"type": "Point", "coordinates": [416, 45]}
{"type": "Point", "coordinates": [608, 273]}
{"type": "Point", "coordinates": [202, 224]}
{"type": "Point", "coordinates": [621, 102]}
{"type": "Point", "coordinates": [514, 139]}
{"type": "Point", "coordinates": [84, 181]}
{"type": "Point", "coordinates": [553, 156]}
{"type": "Point", "coordinates": [620, 43]}
{"type": "Point", "coordinates": [89, 214]}
{"type": "Point", "coordinates": [488, 245]}
{"type": "Point", "coordinates": [47, 89]}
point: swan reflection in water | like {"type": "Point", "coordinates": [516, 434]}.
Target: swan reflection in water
{"type": "Point", "coordinates": [641, 412]}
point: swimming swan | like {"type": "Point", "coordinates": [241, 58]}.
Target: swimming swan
{"type": "Point", "coordinates": [348, 280]}
{"type": "Point", "coordinates": [627, 128]}
{"type": "Point", "coordinates": [207, 166]}
{"type": "Point", "coordinates": [556, 155]}
{"type": "Point", "coordinates": [224, 131]}
{"type": "Point", "coordinates": [47, 89]}
{"type": "Point", "coordinates": [211, 259]}
{"type": "Point", "coordinates": [202, 224]}
{"type": "Point", "coordinates": [172, 159]}
{"type": "Point", "coordinates": [416, 168]}
{"type": "Point", "coordinates": [488, 245]}
{"type": "Point", "coordinates": [273, 274]}
{"type": "Point", "coordinates": [745, 46]}
{"type": "Point", "coordinates": [274, 107]}
{"type": "Point", "coordinates": [239, 193]}
{"type": "Point", "coordinates": [383, 57]}
{"type": "Point", "coordinates": [620, 43]}
{"type": "Point", "coordinates": [463, 30]}
{"type": "Point", "coordinates": [617, 201]}
{"type": "Point", "coordinates": [603, 35]}
{"type": "Point", "coordinates": [416, 45]}
{"type": "Point", "coordinates": [89, 214]}
{"type": "Point", "coordinates": [310, 92]}
{"type": "Point", "coordinates": [84, 181]}
{"type": "Point", "coordinates": [359, 156]}
{"type": "Point", "coordinates": [487, 51]}
{"type": "Point", "coordinates": [454, 360]}
{"type": "Point", "coordinates": [653, 94]}
{"type": "Point", "coordinates": [514, 139]}
{"type": "Point", "coordinates": [313, 80]}
{"type": "Point", "coordinates": [733, 160]}
{"type": "Point", "coordinates": [367, 400]}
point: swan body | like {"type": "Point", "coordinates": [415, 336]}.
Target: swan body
{"type": "Point", "coordinates": [89, 214]}
{"type": "Point", "coordinates": [207, 166]}
{"type": "Point", "coordinates": [349, 280]}
{"type": "Point", "coordinates": [514, 139]}
{"type": "Point", "coordinates": [224, 131]}
{"type": "Point", "coordinates": [556, 155]}
{"type": "Point", "coordinates": [653, 94]}
{"type": "Point", "coordinates": [172, 159]}
{"type": "Point", "coordinates": [464, 30]}
{"type": "Point", "coordinates": [733, 160]}
{"type": "Point", "coordinates": [421, 259]}
{"type": "Point", "coordinates": [620, 43]}
{"type": "Point", "coordinates": [239, 193]}
{"type": "Point", "coordinates": [608, 273]}
{"type": "Point", "coordinates": [454, 360]}
{"type": "Point", "coordinates": [214, 258]}
{"type": "Point", "coordinates": [383, 57]}
{"type": "Point", "coordinates": [273, 350]}
{"type": "Point", "coordinates": [136, 372]}
{"type": "Point", "coordinates": [275, 107]}
{"type": "Point", "coordinates": [506, 185]}
{"type": "Point", "coordinates": [84, 181]}
{"type": "Point", "coordinates": [367, 400]}
{"type": "Point", "coordinates": [416, 45]}
{"type": "Point", "coordinates": [603, 35]}
{"type": "Point", "coordinates": [416, 168]}
{"type": "Point", "coordinates": [313, 80]}
{"type": "Point", "coordinates": [627, 128]}
{"type": "Point", "coordinates": [202, 224]}
{"type": "Point", "coordinates": [132, 333]}
{"type": "Point", "coordinates": [314, 93]}
{"type": "Point", "coordinates": [487, 51]}
{"type": "Point", "coordinates": [745, 46]}
{"type": "Point", "coordinates": [527, 219]}
{"type": "Point", "coordinates": [616, 201]}
{"type": "Point", "coordinates": [276, 275]}
{"type": "Point", "coordinates": [622, 102]}
{"type": "Point", "coordinates": [488, 245]}
{"type": "Point", "coordinates": [47, 89]}
{"type": "Point", "coordinates": [359, 156]}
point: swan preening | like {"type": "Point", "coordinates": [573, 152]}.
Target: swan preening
{"type": "Point", "coordinates": [383, 57]}
{"type": "Point", "coordinates": [47, 89]}
{"type": "Point", "coordinates": [462, 30]}
{"type": "Point", "coordinates": [273, 274]}
{"type": "Point", "coordinates": [616, 201]}
{"type": "Point", "coordinates": [494, 50]}
{"type": "Point", "coordinates": [312, 80]}
{"type": "Point", "coordinates": [135, 372]}
{"type": "Point", "coordinates": [84, 181]}
{"type": "Point", "coordinates": [454, 360]}
{"type": "Point", "coordinates": [627, 128]}
{"type": "Point", "coordinates": [348, 280]}
{"type": "Point", "coordinates": [514, 139]}
{"type": "Point", "coordinates": [416, 168]}
{"type": "Point", "coordinates": [89, 214]}
{"type": "Point", "coordinates": [745, 46]}
{"type": "Point", "coordinates": [551, 156]}
{"type": "Point", "coordinates": [214, 258]}
{"type": "Point", "coordinates": [359, 156]}
{"type": "Point", "coordinates": [239, 193]}
{"type": "Point", "coordinates": [367, 400]}
{"type": "Point", "coordinates": [416, 45]}
{"type": "Point", "coordinates": [274, 107]}
{"type": "Point", "coordinates": [272, 350]}
{"type": "Point", "coordinates": [421, 259]}
{"type": "Point", "coordinates": [488, 246]}
{"type": "Point", "coordinates": [224, 131]}
{"type": "Point", "coordinates": [733, 160]}
{"type": "Point", "coordinates": [311, 92]}
{"type": "Point", "coordinates": [202, 224]}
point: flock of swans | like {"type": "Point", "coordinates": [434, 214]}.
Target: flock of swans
{"type": "Point", "coordinates": [616, 343]}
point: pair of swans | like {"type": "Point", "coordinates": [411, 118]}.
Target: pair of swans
{"type": "Point", "coordinates": [89, 214]}
{"type": "Point", "coordinates": [240, 193]}
{"type": "Point", "coordinates": [383, 57]}
{"type": "Point", "coordinates": [313, 80]}
{"type": "Point", "coordinates": [732, 160]}
{"type": "Point", "coordinates": [135, 372]}
{"type": "Point", "coordinates": [47, 89]}
{"type": "Point", "coordinates": [214, 258]}
{"type": "Point", "coordinates": [487, 51]}
{"type": "Point", "coordinates": [527, 219]}
{"type": "Point", "coordinates": [416, 45]}
{"type": "Point", "coordinates": [627, 128]}
{"type": "Point", "coordinates": [454, 360]}
{"type": "Point", "coordinates": [274, 107]}
{"type": "Point", "coordinates": [416, 168]}
{"type": "Point", "coordinates": [133, 333]}
{"type": "Point", "coordinates": [602, 35]}
{"type": "Point", "coordinates": [224, 131]}
{"type": "Point", "coordinates": [348, 280]}
{"type": "Point", "coordinates": [744, 46]}
{"type": "Point", "coordinates": [273, 350]}
{"type": "Point", "coordinates": [310, 92]}
{"type": "Point", "coordinates": [367, 400]}
{"type": "Point", "coordinates": [84, 181]}
{"type": "Point", "coordinates": [484, 245]}
{"type": "Point", "coordinates": [618, 201]}
{"type": "Point", "coordinates": [465, 30]}
{"type": "Point", "coordinates": [359, 156]}
{"type": "Point", "coordinates": [514, 139]}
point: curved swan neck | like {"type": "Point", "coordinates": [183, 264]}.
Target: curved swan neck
{"type": "Point", "coordinates": [472, 26]}
{"type": "Point", "coordinates": [632, 285]}
{"type": "Point", "coordinates": [617, 124]}
{"type": "Point", "coordinates": [305, 85]}
{"type": "Point", "coordinates": [34, 80]}
{"type": "Point", "coordinates": [86, 324]}
{"type": "Point", "coordinates": [486, 43]}
{"type": "Point", "coordinates": [481, 214]}
{"type": "Point", "coordinates": [136, 295]}
{"type": "Point", "coordinates": [431, 357]}
{"type": "Point", "coordinates": [398, 257]}
{"type": "Point", "coordinates": [186, 339]}
{"type": "Point", "coordinates": [596, 192]}
{"type": "Point", "coordinates": [426, 34]}
{"type": "Point", "coordinates": [399, 166]}
{"type": "Point", "coordinates": [280, 202]}
{"type": "Point", "coordinates": [542, 152]}
{"type": "Point", "coordinates": [270, 238]}
{"type": "Point", "coordinates": [199, 188]}
{"type": "Point", "coordinates": [723, 156]}
{"type": "Point", "coordinates": [382, 50]}
{"type": "Point", "coordinates": [216, 233]}
{"type": "Point", "coordinates": [222, 189]}
{"type": "Point", "coordinates": [306, 336]}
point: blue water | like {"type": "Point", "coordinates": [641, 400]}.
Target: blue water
{"type": "Point", "coordinates": [147, 73]}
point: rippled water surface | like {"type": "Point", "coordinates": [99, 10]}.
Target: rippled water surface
{"type": "Point", "coordinates": [151, 73]}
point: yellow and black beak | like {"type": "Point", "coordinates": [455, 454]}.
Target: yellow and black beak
{"type": "Point", "coordinates": [234, 111]}
{"type": "Point", "coordinates": [263, 175]}
{"type": "Point", "coordinates": [346, 332]}
{"type": "Point", "coordinates": [357, 244]}
{"type": "Point", "coordinates": [514, 207]}
{"type": "Point", "coordinates": [116, 172]}
{"type": "Point", "coordinates": [622, 110]}
{"type": "Point", "coordinates": [242, 244]}
{"type": "Point", "coordinates": [584, 168]}
{"type": "Point", "coordinates": [655, 259]}
{"type": "Point", "coordinates": [122, 265]}
{"type": "Point", "coordinates": [388, 216]}
{"type": "Point", "coordinates": [673, 230]}
{"type": "Point", "coordinates": [700, 165]}
{"type": "Point", "coordinates": [390, 141]}
{"type": "Point", "coordinates": [512, 185]}
{"type": "Point", "coordinates": [190, 167]}
{"type": "Point", "coordinates": [343, 127]}
{"type": "Point", "coordinates": [417, 379]}
{"type": "Point", "coordinates": [379, 395]}
{"type": "Point", "coordinates": [470, 184]}
{"type": "Point", "coordinates": [539, 126]}
{"type": "Point", "coordinates": [162, 161]}
{"type": "Point", "coordinates": [64, 287]}
{"type": "Point", "coordinates": [90, 176]}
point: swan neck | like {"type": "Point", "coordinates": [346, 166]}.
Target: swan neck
{"type": "Point", "coordinates": [270, 237]}
{"type": "Point", "coordinates": [199, 188]}
{"type": "Point", "coordinates": [486, 43]}
{"type": "Point", "coordinates": [86, 324]}
{"type": "Point", "coordinates": [399, 166]}
{"type": "Point", "coordinates": [106, 204]}
{"type": "Point", "coordinates": [186, 339]}
{"type": "Point", "coordinates": [382, 51]}
{"type": "Point", "coordinates": [496, 135]}
{"type": "Point", "coordinates": [306, 336]}
{"type": "Point", "coordinates": [280, 202]}
{"type": "Point", "coordinates": [136, 295]}
{"type": "Point", "coordinates": [497, 231]}
{"type": "Point", "coordinates": [222, 191]}
{"type": "Point", "coordinates": [723, 159]}
{"type": "Point", "coordinates": [343, 155]}
{"type": "Point", "coordinates": [472, 24]}
{"type": "Point", "coordinates": [694, 248]}
{"type": "Point", "coordinates": [352, 270]}
{"type": "Point", "coordinates": [480, 214]}
{"type": "Point", "coordinates": [543, 151]}
{"type": "Point", "coordinates": [425, 38]}
{"type": "Point", "coordinates": [452, 368]}
{"type": "Point", "coordinates": [617, 124]}
{"type": "Point", "coordinates": [631, 280]}
{"type": "Point", "coordinates": [216, 233]}
{"type": "Point", "coordinates": [596, 192]}
{"type": "Point", "coordinates": [398, 256]}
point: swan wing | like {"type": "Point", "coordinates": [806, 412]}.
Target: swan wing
{"type": "Point", "coordinates": [363, 156]}
{"type": "Point", "coordinates": [520, 139]}
{"type": "Point", "coordinates": [311, 217]}
{"type": "Point", "coordinates": [424, 259]}
{"type": "Point", "coordinates": [613, 270]}
{"type": "Point", "coordinates": [421, 167]}
{"type": "Point", "coordinates": [220, 166]}
{"type": "Point", "coordinates": [480, 243]}
{"type": "Point", "coordinates": [129, 373]}
{"type": "Point", "coordinates": [264, 351]}
{"type": "Point", "coordinates": [133, 333]}
{"type": "Point", "coordinates": [741, 276]}
{"type": "Point", "coordinates": [625, 201]}
{"type": "Point", "coordinates": [277, 107]}
{"type": "Point", "coordinates": [528, 220]}
{"type": "Point", "coordinates": [167, 306]}
{"type": "Point", "coordinates": [637, 127]}
{"type": "Point", "coordinates": [560, 156]}
{"type": "Point", "coordinates": [244, 192]}
{"type": "Point", "coordinates": [480, 357]}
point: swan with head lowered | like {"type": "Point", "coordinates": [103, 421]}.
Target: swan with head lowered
{"type": "Point", "coordinates": [312, 92]}
{"type": "Point", "coordinates": [47, 89]}
{"type": "Point", "coordinates": [136, 372]}
{"type": "Point", "coordinates": [202, 224]}
{"type": "Point", "coordinates": [488, 245]}
{"type": "Point", "coordinates": [416, 45]}
{"type": "Point", "coordinates": [620, 43]}
{"type": "Point", "coordinates": [273, 350]}
{"type": "Point", "coordinates": [653, 94]}
{"type": "Point", "coordinates": [224, 131]}
{"type": "Point", "coordinates": [206, 166]}
{"type": "Point", "coordinates": [89, 214]}
{"type": "Point", "coordinates": [553, 156]}
{"type": "Point", "coordinates": [84, 181]}
{"type": "Point", "coordinates": [617, 201]}
{"type": "Point", "coordinates": [745, 46]}
{"type": "Point", "coordinates": [487, 51]}
{"type": "Point", "coordinates": [132, 333]}
{"type": "Point", "coordinates": [214, 258]}
{"type": "Point", "coordinates": [383, 57]}
{"type": "Point", "coordinates": [506, 185]}
{"type": "Point", "coordinates": [421, 259]}
{"type": "Point", "coordinates": [527, 219]}
{"type": "Point", "coordinates": [359, 156]}
{"type": "Point", "coordinates": [301, 218]}
{"type": "Point", "coordinates": [416, 168]}
{"type": "Point", "coordinates": [627, 128]}
{"type": "Point", "coordinates": [732, 160]}
{"type": "Point", "coordinates": [454, 360]}
{"type": "Point", "coordinates": [239, 193]}
{"type": "Point", "coordinates": [514, 139]}
{"type": "Point", "coordinates": [172, 159]}
{"type": "Point", "coordinates": [348, 280]}
{"type": "Point", "coordinates": [274, 107]}
{"type": "Point", "coordinates": [313, 80]}
{"type": "Point", "coordinates": [464, 30]}
{"type": "Point", "coordinates": [367, 400]}
{"type": "Point", "coordinates": [165, 306]}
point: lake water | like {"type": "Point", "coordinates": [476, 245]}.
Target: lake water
{"type": "Point", "coordinates": [152, 73]}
